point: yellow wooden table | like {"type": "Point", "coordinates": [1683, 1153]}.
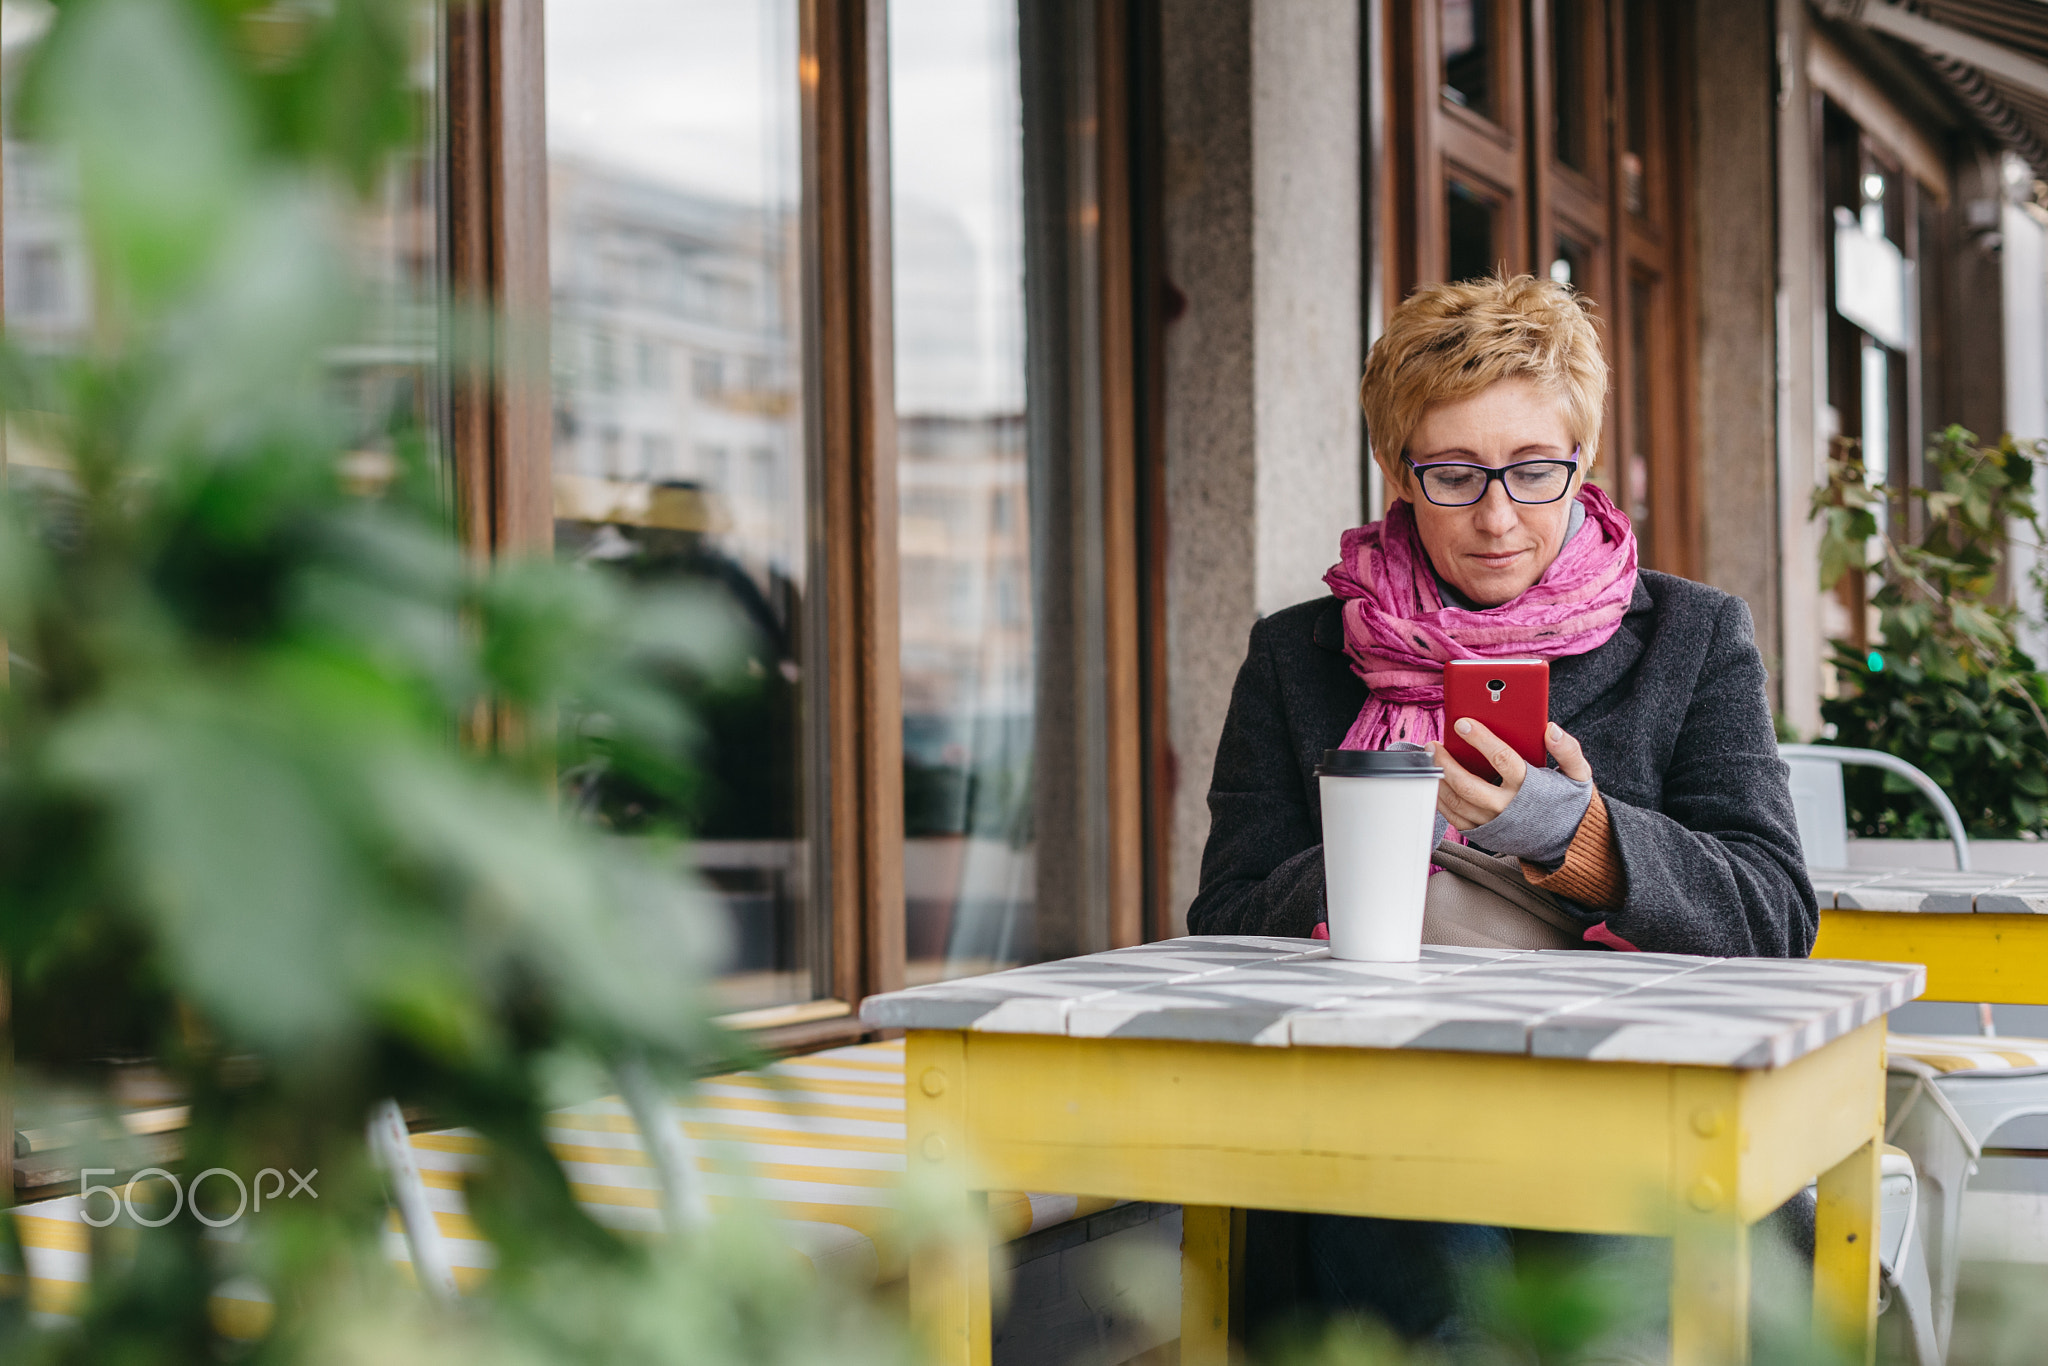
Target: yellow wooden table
{"type": "Point", "coordinates": [1475, 1086]}
{"type": "Point", "coordinates": [1982, 936]}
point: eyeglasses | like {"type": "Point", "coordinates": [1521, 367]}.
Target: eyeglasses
{"type": "Point", "coordinates": [1454, 484]}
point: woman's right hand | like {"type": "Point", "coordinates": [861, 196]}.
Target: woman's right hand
{"type": "Point", "coordinates": [1469, 801]}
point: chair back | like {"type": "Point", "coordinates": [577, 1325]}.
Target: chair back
{"type": "Point", "coordinates": [1818, 803]}
{"type": "Point", "coordinates": [1823, 814]}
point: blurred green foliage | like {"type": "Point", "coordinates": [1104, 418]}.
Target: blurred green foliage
{"type": "Point", "coordinates": [1945, 685]}
{"type": "Point", "coordinates": [252, 826]}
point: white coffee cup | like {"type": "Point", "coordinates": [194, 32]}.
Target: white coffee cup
{"type": "Point", "coordinates": [1379, 825]}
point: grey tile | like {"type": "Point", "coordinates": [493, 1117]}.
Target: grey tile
{"type": "Point", "coordinates": [2021, 896]}
{"type": "Point", "coordinates": [1469, 1026]}
{"type": "Point", "coordinates": [901, 1010]}
{"type": "Point", "coordinates": [1634, 1039]}
{"type": "Point", "coordinates": [1239, 1011]}
{"type": "Point", "coordinates": [1829, 883]}
{"type": "Point", "coordinates": [1926, 891]}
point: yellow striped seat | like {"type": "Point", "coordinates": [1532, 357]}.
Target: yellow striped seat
{"type": "Point", "coordinates": [817, 1140]}
{"type": "Point", "coordinates": [1958, 1054]}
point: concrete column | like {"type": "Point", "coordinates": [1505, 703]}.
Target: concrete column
{"type": "Point", "coordinates": [2025, 259]}
{"type": "Point", "coordinates": [1262, 237]}
{"type": "Point", "coordinates": [1802, 436]}
{"type": "Point", "coordinates": [1734, 250]}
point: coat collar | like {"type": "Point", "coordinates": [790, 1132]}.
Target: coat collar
{"type": "Point", "coordinates": [1576, 681]}
{"type": "Point", "coordinates": [1329, 632]}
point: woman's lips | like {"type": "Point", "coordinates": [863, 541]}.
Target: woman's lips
{"type": "Point", "coordinates": [1500, 560]}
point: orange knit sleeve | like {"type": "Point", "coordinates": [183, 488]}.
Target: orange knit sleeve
{"type": "Point", "coordinates": [1591, 873]}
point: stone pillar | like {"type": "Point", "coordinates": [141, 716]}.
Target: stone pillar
{"type": "Point", "coordinates": [1735, 431]}
{"type": "Point", "coordinates": [1262, 229]}
{"type": "Point", "coordinates": [2025, 258]}
{"type": "Point", "coordinates": [1802, 435]}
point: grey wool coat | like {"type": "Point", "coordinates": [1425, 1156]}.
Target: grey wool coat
{"type": "Point", "coordinates": [1671, 712]}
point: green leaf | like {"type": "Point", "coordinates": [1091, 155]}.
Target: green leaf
{"type": "Point", "coordinates": [140, 96]}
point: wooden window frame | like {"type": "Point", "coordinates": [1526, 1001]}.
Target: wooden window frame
{"type": "Point", "coordinates": [501, 444]}
{"type": "Point", "coordinates": [1134, 914]}
{"type": "Point", "coordinates": [1657, 243]}
{"type": "Point", "coordinates": [1875, 148]}
{"type": "Point", "coordinates": [844, 65]}
{"type": "Point", "coordinates": [496, 232]}
{"type": "Point", "coordinates": [1445, 141]}
{"type": "Point", "coordinates": [1433, 141]}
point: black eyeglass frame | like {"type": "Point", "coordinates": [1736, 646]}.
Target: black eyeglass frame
{"type": "Point", "coordinates": [1493, 472]}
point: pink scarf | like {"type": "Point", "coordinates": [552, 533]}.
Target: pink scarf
{"type": "Point", "coordinates": [1398, 632]}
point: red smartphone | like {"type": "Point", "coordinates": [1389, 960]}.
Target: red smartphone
{"type": "Point", "coordinates": [1510, 697]}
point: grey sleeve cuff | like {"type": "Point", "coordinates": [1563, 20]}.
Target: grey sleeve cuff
{"type": "Point", "coordinates": [1539, 823]}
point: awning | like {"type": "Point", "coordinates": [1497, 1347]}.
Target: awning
{"type": "Point", "coordinates": [1992, 55]}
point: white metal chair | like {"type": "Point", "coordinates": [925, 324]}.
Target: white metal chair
{"type": "Point", "coordinates": [1823, 814]}
{"type": "Point", "coordinates": [391, 1150]}
{"type": "Point", "coordinates": [670, 1154]}
{"type": "Point", "coordinates": [1902, 1261]}
{"type": "Point", "coordinates": [1948, 1094]}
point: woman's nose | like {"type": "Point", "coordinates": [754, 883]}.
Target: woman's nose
{"type": "Point", "coordinates": [1495, 515]}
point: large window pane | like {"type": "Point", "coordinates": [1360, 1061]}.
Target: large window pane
{"type": "Point", "coordinates": [1642, 417]}
{"type": "Point", "coordinates": [1468, 54]}
{"type": "Point", "coordinates": [1572, 264]}
{"type": "Point", "coordinates": [49, 284]}
{"type": "Point", "coordinates": [679, 449]}
{"type": "Point", "coordinates": [969, 657]}
{"type": "Point", "coordinates": [1472, 221]}
{"type": "Point", "coordinates": [1571, 92]}
{"type": "Point", "coordinates": [387, 378]}
{"type": "Point", "coordinates": [391, 378]}
{"type": "Point", "coordinates": [1639, 74]}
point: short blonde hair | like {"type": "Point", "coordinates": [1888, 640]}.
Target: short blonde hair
{"type": "Point", "coordinates": [1449, 342]}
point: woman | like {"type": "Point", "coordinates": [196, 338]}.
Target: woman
{"type": "Point", "coordinates": [1667, 821]}
{"type": "Point", "coordinates": [1668, 817]}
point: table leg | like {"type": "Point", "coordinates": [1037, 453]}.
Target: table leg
{"type": "Point", "coordinates": [949, 1299]}
{"type": "Point", "coordinates": [1845, 1255]}
{"type": "Point", "coordinates": [1205, 1239]}
{"type": "Point", "coordinates": [1710, 1291]}
{"type": "Point", "coordinates": [949, 1275]}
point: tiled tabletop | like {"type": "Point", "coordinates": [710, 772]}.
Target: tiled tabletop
{"type": "Point", "coordinates": [1623, 1007]}
{"type": "Point", "coordinates": [1930, 892]}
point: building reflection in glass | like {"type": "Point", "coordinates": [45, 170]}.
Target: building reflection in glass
{"type": "Point", "coordinates": [386, 380]}
{"type": "Point", "coordinates": [969, 656]}
{"type": "Point", "coordinates": [673, 172]}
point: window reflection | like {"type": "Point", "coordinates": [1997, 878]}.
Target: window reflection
{"type": "Point", "coordinates": [969, 659]}
{"type": "Point", "coordinates": [1568, 85]}
{"type": "Point", "coordinates": [673, 172]}
{"type": "Point", "coordinates": [1641, 301]}
{"type": "Point", "coordinates": [1571, 264]}
{"type": "Point", "coordinates": [390, 379]}
{"type": "Point", "coordinates": [1473, 222]}
{"type": "Point", "coordinates": [387, 378]}
{"type": "Point", "coordinates": [1468, 54]}
{"type": "Point", "coordinates": [1639, 72]}
{"type": "Point", "coordinates": [48, 276]}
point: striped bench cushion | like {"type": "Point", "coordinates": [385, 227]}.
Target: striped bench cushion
{"type": "Point", "coordinates": [817, 1140]}
{"type": "Point", "coordinates": [1961, 1054]}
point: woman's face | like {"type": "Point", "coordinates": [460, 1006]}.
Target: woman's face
{"type": "Point", "coordinates": [1495, 549]}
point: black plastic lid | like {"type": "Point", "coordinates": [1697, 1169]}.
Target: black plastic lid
{"type": "Point", "coordinates": [1378, 763]}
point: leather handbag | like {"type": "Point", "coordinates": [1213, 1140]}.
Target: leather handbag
{"type": "Point", "coordinates": [1484, 901]}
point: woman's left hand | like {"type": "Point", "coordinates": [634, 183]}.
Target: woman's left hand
{"type": "Point", "coordinates": [1468, 800]}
